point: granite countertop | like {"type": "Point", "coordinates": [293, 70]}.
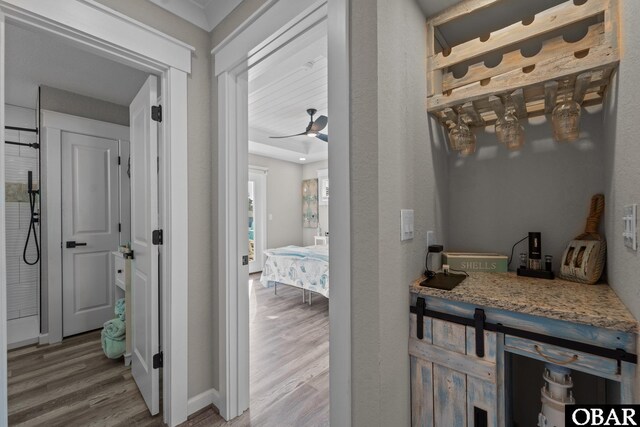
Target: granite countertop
{"type": "Point", "coordinates": [595, 305]}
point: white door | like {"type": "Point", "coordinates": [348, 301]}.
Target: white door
{"type": "Point", "coordinates": [90, 209]}
{"type": "Point", "coordinates": [144, 219]}
{"type": "Point", "coordinates": [257, 219]}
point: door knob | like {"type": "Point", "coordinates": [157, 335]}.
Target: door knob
{"type": "Point", "coordinates": [72, 244]}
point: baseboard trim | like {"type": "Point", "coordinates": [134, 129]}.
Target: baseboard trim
{"type": "Point", "coordinates": [22, 332]}
{"type": "Point", "coordinates": [202, 400]}
{"type": "Point", "coordinates": [43, 339]}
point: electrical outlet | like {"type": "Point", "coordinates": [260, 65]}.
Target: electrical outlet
{"type": "Point", "coordinates": [630, 233]}
{"type": "Point", "coordinates": [431, 238]}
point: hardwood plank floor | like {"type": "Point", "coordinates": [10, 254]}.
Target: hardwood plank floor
{"type": "Point", "coordinates": [73, 384]}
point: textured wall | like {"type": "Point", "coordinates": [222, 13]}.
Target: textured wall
{"type": "Point", "coordinates": [310, 171]}
{"type": "Point", "coordinates": [71, 103]}
{"type": "Point", "coordinates": [284, 202]}
{"type": "Point", "coordinates": [497, 196]}
{"type": "Point", "coordinates": [622, 155]}
{"type": "Point", "coordinates": [200, 286]}
{"type": "Point", "coordinates": [396, 163]}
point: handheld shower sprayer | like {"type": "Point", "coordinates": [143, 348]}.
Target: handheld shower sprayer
{"type": "Point", "coordinates": [32, 222]}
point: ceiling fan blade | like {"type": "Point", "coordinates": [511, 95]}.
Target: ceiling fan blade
{"type": "Point", "coordinates": [319, 124]}
{"type": "Point", "coordinates": [323, 136]}
{"type": "Point", "coordinates": [288, 136]}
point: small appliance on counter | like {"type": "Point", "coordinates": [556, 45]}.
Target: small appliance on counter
{"type": "Point", "coordinates": [583, 260]}
{"type": "Point", "coordinates": [445, 280]}
{"type": "Point", "coordinates": [531, 265]}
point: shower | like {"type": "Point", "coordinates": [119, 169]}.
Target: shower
{"type": "Point", "coordinates": [32, 222]}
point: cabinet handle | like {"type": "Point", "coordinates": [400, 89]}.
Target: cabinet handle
{"type": "Point", "coordinates": [572, 359]}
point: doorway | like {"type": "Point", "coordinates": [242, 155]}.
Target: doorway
{"type": "Point", "coordinates": [86, 173]}
{"type": "Point", "coordinates": [277, 26]}
{"type": "Point", "coordinates": [147, 50]}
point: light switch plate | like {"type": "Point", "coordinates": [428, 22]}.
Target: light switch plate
{"type": "Point", "coordinates": [406, 224]}
{"type": "Point", "coordinates": [630, 233]}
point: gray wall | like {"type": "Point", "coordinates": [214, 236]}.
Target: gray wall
{"type": "Point", "coordinates": [200, 286]}
{"type": "Point", "coordinates": [396, 162]}
{"type": "Point", "coordinates": [622, 156]}
{"type": "Point", "coordinates": [284, 201]}
{"type": "Point", "coordinates": [74, 104]}
{"type": "Point", "coordinates": [497, 196]}
{"type": "Point", "coordinates": [310, 171]}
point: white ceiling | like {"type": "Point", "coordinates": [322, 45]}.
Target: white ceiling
{"type": "Point", "coordinates": [34, 59]}
{"type": "Point", "coordinates": [281, 89]}
{"type": "Point", "coordinates": [206, 14]}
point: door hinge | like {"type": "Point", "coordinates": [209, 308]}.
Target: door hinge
{"type": "Point", "coordinates": [156, 237]}
{"type": "Point", "coordinates": [119, 227]}
{"type": "Point", "coordinates": [158, 360]}
{"type": "Point", "coordinates": [156, 113]}
{"type": "Point", "coordinates": [245, 259]}
{"type": "Point", "coordinates": [119, 160]}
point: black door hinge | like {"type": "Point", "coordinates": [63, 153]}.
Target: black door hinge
{"type": "Point", "coordinates": [156, 237]}
{"type": "Point", "coordinates": [119, 228]}
{"type": "Point", "coordinates": [245, 259]}
{"type": "Point", "coordinates": [158, 360]}
{"type": "Point", "coordinates": [156, 113]}
{"type": "Point", "coordinates": [119, 160]}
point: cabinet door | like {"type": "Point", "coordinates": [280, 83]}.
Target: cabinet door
{"type": "Point", "coordinates": [421, 381]}
{"type": "Point", "coordinates": [450, 385]}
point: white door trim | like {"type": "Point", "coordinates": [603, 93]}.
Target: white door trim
{"type": "Point", "coordinates": [3, 254]}
{"type": "Point", "coordinates": [52, 126]}
{"type": "Point", "coordinates": [268, 30]}
{"type": "Point", "coordinates": [110, 34]}
{"type": "Point", "coordinates": [340, 213]}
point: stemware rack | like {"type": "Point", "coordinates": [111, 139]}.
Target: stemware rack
{"type": "Point", "coordinates": [579, 70]}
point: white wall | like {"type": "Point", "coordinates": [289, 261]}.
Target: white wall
{"type": "Point", "coordinates": [497, 196]}
{"type": "Point", "coordinates": [622, 157]}
{"type": "Point", "coordinates": [310, 171]}
{"type": "Point", "coordinates": [284, 201]}
{"type": "Point", "coordinates": [396, 162]}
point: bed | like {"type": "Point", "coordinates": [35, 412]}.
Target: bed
{"type": "Point", "coordinates": [302, 267]}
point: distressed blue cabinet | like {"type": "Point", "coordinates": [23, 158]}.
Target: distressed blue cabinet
{"type": "Point", "coordinates": [450, 384]}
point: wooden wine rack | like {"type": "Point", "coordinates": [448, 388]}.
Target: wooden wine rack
{"type": "Point", "coordinates": [579, 70]}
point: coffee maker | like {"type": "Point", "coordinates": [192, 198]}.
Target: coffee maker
{"type": "Point", "coordinates": [534, 266]}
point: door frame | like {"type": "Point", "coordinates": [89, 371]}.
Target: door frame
{"type": "Point", "coordinates": [275, 24]}
{"type": "Point", "coordinates": [103, 31]}
{"type": "Point", "coordinates": [51, 127]}
{"type": "Point", "coordinates": [263, 231]}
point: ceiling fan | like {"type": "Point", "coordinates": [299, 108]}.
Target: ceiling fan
{"type": "Point", "coordinates": [313, 128]}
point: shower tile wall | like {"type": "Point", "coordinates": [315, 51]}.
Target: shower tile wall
{"type": "Point", "coordinates": [22, 279]}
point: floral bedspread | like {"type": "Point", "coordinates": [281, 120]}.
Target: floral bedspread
{"type": "Point", "coordinates": [302, 267]}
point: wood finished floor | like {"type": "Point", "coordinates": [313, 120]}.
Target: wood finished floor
{"type": "Point", "coordinates": [73, 384]}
